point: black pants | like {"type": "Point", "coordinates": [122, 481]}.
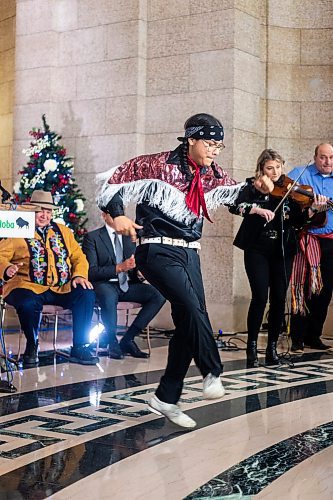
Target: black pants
{"type": "Point", "coordinates": [29, 307]}
{"type": "Point", "coordinates": [267, 271]}
{"type": "Point", "coordinates": [309, 328]}
{"type": "Point", "coordinates": [176, 273]}
{"type": "Point", "coordinates": [109, 294]}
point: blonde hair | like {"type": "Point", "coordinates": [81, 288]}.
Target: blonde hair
{"type": "Point", "coordinates": [266, 155]}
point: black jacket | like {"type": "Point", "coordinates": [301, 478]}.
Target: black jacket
{"type": "Point", "coordinates": [253, 231]}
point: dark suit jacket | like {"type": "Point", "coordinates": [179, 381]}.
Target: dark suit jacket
{"type": "Point", "coordinates": [101, 257]}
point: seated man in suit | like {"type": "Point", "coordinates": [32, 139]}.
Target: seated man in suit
{"type": "Point", "coordinates": [114, 276]}
{"type": "Point", "coordinates": [48, 269]}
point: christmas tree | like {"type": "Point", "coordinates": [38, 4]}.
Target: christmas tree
{"type": "Point", "coordinates": [50, 169]}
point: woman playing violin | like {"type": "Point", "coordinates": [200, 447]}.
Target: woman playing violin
{"type": "Point", "coordinates": [268, 237]}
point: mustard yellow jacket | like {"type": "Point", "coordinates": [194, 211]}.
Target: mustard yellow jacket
{"type": "Point", "coordinates": [16, 251]}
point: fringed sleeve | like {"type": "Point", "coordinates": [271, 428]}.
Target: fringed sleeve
{"type": "Point", "coordinates": [150, 179]}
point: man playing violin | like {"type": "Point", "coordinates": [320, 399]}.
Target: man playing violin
{"type": "Point", "coordinates": [312, 278]}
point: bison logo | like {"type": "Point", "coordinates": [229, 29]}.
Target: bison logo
{"type": "Point", "coordinates": [22, 223]}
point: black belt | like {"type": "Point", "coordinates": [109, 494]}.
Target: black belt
{"type": "Point", "coordinates": [271, 234]}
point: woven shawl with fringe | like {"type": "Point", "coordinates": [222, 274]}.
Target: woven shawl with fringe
{"type": "Point", "coordinates": [306, 262]}
{"type": "Point", "coordinates": [151, 179]}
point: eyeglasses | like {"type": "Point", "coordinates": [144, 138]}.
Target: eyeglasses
{"type": "Point", "coordinates": [212, 146]}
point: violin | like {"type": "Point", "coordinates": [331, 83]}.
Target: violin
{"type": "Point", "coordinates": [300, 193]}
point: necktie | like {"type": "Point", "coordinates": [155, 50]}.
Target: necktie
{"type": "Point", "coordinates": [195, 197]}
{"type": "Point", "coordinates": [122, 277]}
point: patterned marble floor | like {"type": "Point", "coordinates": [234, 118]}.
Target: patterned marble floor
{"type": "Point", "coordinates": [73, 432]}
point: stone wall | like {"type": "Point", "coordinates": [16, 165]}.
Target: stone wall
{"type": "Point", "coordinates": [118, 78]}
{"type": "Point", "coordinates": [7, 77]}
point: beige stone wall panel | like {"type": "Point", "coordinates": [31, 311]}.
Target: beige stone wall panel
{"type": "Point", "coordinates": [107, 79]}
{"type": "Point", "coordinates": [226, 159]}
{"type": "Point", "coordinates": [211, 6]}
{"type": "Point", "coordinates": [19, 160]}
{"type": "Point", "coordinates": [177, 37]}
{"type": "Point", "coordinates": [7, 65]}
{"type": "Point", "coordinates": [65, 15]}
{"type": "Point", "coordinates": [284, 119]}
{"type": "Point", "coordinates": [317, 121]}
{"type": "Point", "coordinates": [300, 83]}
{"type": "Point", "coordinates": [263, 43]}
{"type": "Point", "coordinates": [300, 13]}
{"type": "Point", "coordinates": [82, 46]}
{"type": "Point", "coordinates": [5, 162]}
{"type": "Point", "coordinates": [317, 46]}
{"type": "Point", "coordinates": [7, 97]}
{"type": "Point", "coordinates": [81, 118]}
{"type": "Point", "coordinates": [262, 129]}
{"type": "Point", "coordinates": [36, 50]}
{"type": "Point", "coordinates": [63, 83]}
{"type": "Point", "coordinates": [34, 16]}
{"type": "Point", "coordinates": [249, 72]}
{"type": "Point", "coordinates": [246, 111]}
{"type": "Point", "coordinates": [7, 34]}
{"type": "Point", "coordinates": [284, 45]}
{"type": "Point", "coordinates": [246, 148]}
{"type": "Point", "coordinates": [247, 32]}
{"type": "Point", "coordinates": [254, 8]}
{"type": "Point", "coordinates": [295, 151]}
{"type": "Point", "coordinates": [159, 9]}
{"type": "Point", "coordinates": [109, 11]}
{"type": "Point", "coordinates": [37, 16]}
{"type": "Point", "coordinates": [163, 113]}
{"type": "Point", "coordinates": [168, 75]}
{"type": "Point", "coordinates": [99, 153]}
{"type": "Point", "coordinates": [240, 281]}
{"type": "Point", "coordinates": [220, 74]}
{"type": "Point", "coordinates": [121, 115]}
{"type": "Point", "coordinates": [221, 226]}
{"type": "Point", "coordinates": [217, 269]}
{"type": "Point", "coordinates": [7, 9]}
{"type": "Point", "coordinates": [6, 128]}
{"type": "Point", "coordinates": [126, 40]}
{"type": "Point", "coordinates": [33, 86]}
{"type": "Point", "coordinates": [155, 143]}
{"type": "Point", "coordinates": [27, 116]}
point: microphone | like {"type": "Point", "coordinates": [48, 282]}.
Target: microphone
{"type": "Point", "coordinates": [5, 194]}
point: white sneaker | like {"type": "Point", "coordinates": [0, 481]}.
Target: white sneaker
{"type": "Point", "coordinates": [171, 412]}
{"type": "Point", "coordinates": [212, 387]}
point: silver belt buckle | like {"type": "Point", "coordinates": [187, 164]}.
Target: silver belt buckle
{"type": "Point", "coordinates": [194, 244]}
{"type": "Point", "coordinates": [178, 242]}
{"type": "Point", "coordinates": [166, 240]}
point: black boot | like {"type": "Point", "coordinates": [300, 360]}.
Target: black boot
{"type": "Point", "coordinates": [272, 357]}
{"type": "Point", "coordinates": [30, 356]}
{"type": "Point", "coordinates": [251, 354]}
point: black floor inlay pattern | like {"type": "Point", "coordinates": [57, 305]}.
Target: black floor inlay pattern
{"type": "Point", "coordinates": [252, 475]}
{"type": "Point", "coordinates": [106, 402]}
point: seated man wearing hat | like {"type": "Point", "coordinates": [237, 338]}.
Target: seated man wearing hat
{"type": "Point", "coordinates": [48, 269]}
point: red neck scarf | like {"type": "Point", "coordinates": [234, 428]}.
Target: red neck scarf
{"type": "Point", "coordinates": [195, 197]}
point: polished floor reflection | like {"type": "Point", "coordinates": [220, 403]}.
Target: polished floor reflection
{"type": "Point", "coordinates": [73, 432]}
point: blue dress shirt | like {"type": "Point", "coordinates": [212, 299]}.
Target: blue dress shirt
{"type": "Point", "coordinates": [321, 184]}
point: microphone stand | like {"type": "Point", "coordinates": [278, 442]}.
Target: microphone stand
{"type": "Point", "coordinates": [5, 385]}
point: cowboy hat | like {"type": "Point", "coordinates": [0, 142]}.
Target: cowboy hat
{"type": "Point", "coordinates": [42, 199]}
